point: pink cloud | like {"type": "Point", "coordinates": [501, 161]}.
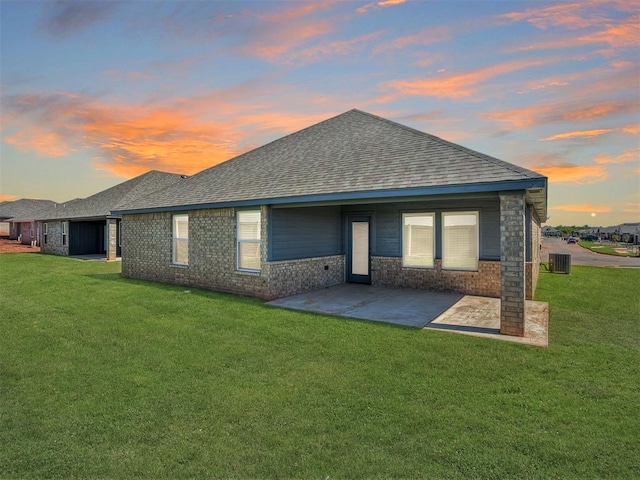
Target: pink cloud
{"type": "Point", "coordinates": [564, 172]}
{"type": "Point", "coordinates": [577, 134]}
{"type": "Point", "coordinates": [381, 4]}
{"type": "Point", "coordinates": [630, 155]}
{"type": "Point", "coordinates": [583, 208]}
{"type": "Point", "coordinates": [425, 37]}
{"type": "Point", "coordinates": [131, 139]}
{"type": "Point", "coordinates": [573, 15]}
{"type": "Point", "coordinates": [561, 112]}
{"type": "Point", "coordinates": [456, 85]}
{"type": "Point", "coordinates": [331, 49]}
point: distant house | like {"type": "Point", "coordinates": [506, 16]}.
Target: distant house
{"type": "Point", "coordinates": [629, 233]}
{"type": "Point", "coordinates": [19, 217]}
{"type": "Point", "coordinates": [356, 198]}
{"type": "Point", "coordinates": [87, 226]}
{"type": "Point", "coordinates": [549, 231]}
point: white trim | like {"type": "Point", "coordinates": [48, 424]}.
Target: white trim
{"type": "Point", "coordinates": [248, 241]}
{"type": "Point", "coordinates": [175, 238]}
{"type": "Point", "coordinates": [476, 215]}
{"type": "Point", "coordinates": [405, 254]}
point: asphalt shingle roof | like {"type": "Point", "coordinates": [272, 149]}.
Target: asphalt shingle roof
{"type": "Point", "coordinates": [24, 208]}
{"type": "Point", "coordinates": [103, 203]}
{"type": "Point", "coordinates": [352, 152]}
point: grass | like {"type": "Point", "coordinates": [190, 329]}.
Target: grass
{"type": "Point", "coordinates": [608, 248]}
{"type": "Point", "coordinates": [107, 377]}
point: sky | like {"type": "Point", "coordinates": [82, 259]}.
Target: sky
{"type": "Point", "coordinates": [93, 93]}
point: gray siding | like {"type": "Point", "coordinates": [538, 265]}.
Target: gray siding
{"type": "Point", "coordinates": [297, 233]}
{"type": "Point", "coordinates": [387, 223]}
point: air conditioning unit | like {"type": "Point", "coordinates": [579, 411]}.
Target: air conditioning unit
{"type": "Point", "coordinates": [560, 263]}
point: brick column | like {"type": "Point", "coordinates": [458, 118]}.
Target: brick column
{"type": "Point", "coordinates": [112, 239]}
{"type": "Point", "coordinates": [512, 263]}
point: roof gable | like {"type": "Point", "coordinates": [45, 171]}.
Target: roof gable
{"type": "Point", "coordinates": [352, 152]}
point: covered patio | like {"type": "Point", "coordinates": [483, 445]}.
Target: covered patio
{"type": "Point", "coordinates": [451, 312]}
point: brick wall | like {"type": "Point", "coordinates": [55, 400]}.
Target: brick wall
{"type": "Point", "coordinates": [297, 276]}
{"type": "Point", "coordinates": [512, 263]}
{"type": "Point", "coordinates": [147, 254]}
{"type": "Point", "coordinates": [54, 240]}
{"type": "Point", "coordinates": [389, 272]}
{"type": "Point", "coordinates": [27, 232]}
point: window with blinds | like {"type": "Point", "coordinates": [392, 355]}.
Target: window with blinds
{"type": "Point", "coordinates": [181, 239]}
{"type": "Point", "coordinates": [417, 240]}
{"type": "Point", "coordinates": [248, 240]}
{"type": "Point", "coordinates": [460, 244]}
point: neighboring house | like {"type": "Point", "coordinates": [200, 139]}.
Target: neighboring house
{"type": "Point", "coordinates": [20, 215]}
{"type": "Point", "coordinates": [629, 232]}
{"type": "Point", "coordinates": [355, 198]}
{"type": "Point", "coordinates": [551, 232]}
{"type": "Point", "coordinates": [87, 226]}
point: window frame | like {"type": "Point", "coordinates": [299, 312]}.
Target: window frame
{"type": "Point", "coordinates": [240, 241]}
{"type": "Point", "coordinates": [432, 215]}
{"type": "Point", "coordinates": [45, 232]}
{"type": "Point", "coordinates": [174, 239]}
{"type": "Point", "coordinates": [476, 214]}
{"type": "Point", "coordinates": [65, 232]}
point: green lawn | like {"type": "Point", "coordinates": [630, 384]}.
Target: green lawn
{"type": "Point", "coordinates": [609, 249]}
{"type": "Point", "coordinates": [104, 377]}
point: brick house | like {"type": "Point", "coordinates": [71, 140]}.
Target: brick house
{"type": "Point", "coordinates": [87, 226]}
{"type": "Point", "coordinates": [20, 219]}
{"type": "Point", "coordinates": [355, 198]}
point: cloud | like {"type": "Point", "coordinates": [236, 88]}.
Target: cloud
{"type": "Point", "coordinates": [276, 34]}
{"type": "Point", "coordinates": [63, 19]}
{"type": "Point", "coordinates": [130, 139]}
{"type": "Point", "coordinates": [625, 34]}
{"type": "Point", "coordinates": [612, 34]}
{"type": "Point", "coordinates": [574, 15]}
{"type": "Point", "coordinates": [381, 4]}
{"type": "Point", "coordinates": [632, 129]}
{"type": "Point", "coordinates": [456, 85]}
{"type": "Point", "coordinates": [275, 44]}
{"type": "Point", "coordinates": [562, 112]}
{"type": "Point", "coordinates": [564, 172]}
{"type": "Point", "coordinates": [331, 49]}
{"type": "Point", "coordinates": [630, 155]}
{"type": "Point", "coordinates": [423, 38]}
{"type": "Point", "coordinates": [631, 207]}
{"type": "Point", "coordinates": [583, 208]}
{"type": "Point", "coordinates": [577, 134]}
{"type": "Point", "coordinates": [7, 197]}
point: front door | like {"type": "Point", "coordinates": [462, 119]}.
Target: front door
{"type": "Point", "coordinates": [358, 260]}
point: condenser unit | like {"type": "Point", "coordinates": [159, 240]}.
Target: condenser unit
{"type": "Point", "coordinates": [560, 263]}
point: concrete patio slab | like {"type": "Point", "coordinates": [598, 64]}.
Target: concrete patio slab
{"type": "Point", "coordinates": [480, 316]}
{"type": "Point", "coordinates": [451, 312]}
{"type": "Point", "coordinates": [413, 308]}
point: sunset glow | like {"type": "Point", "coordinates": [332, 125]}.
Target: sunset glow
{"type": "Point", "coordinates": [97, 92]}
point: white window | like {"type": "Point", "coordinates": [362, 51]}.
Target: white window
{"type": "Point", "coordinates": [45, 232]}
{"type": "Point", "coordinates": [181, 239]}
{"type": "Point", "coordinates": [248, 238]}
{"type": "Point", "coordinates": [65, 228]}
{"type": "Point", "coordinates": [460, 240]}
{"type": "Point", "coordinates": [417, 240]}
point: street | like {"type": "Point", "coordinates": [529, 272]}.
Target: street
{"type": "Point", "coordinates": [583, 256]}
